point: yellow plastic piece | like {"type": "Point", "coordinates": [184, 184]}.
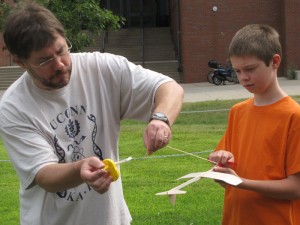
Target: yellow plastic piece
{"type": "Point", "coordinates": [112, 168]}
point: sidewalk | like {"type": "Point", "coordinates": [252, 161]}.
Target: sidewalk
{"type": "Point", "coordinates": [199, 92]}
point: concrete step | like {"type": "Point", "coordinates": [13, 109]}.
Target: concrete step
{"type": "Point", "coordinates": [158, 52]}
{"type": "Point", "coordinates": [169, 68]}
{"type": "Point", "coordinates": [158, 48]}
{"type": "Point", "coordinates": [124, 38]}
{"type": "Point", "coordinates": [158, 44]}
{"type": "Point", "coordinates": [8, 75]}
{"type": "Point", "coordinates": [97, 43]}
{"type": "Point", "coordinates": [158, 36]}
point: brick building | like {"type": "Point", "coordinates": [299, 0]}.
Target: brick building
{"type": "Point", "coordinates": [202, 29]}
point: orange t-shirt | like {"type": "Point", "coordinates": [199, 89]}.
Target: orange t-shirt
{"type": "Point", "coordinates": [265, 142]}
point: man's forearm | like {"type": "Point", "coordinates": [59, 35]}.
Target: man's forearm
{"type": "Point", "coordinates": [168, 99]}
{"type": "Point", "coordinates": [59, 177]}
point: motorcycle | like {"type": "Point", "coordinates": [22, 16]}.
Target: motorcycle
{"type": "Point", "coordinates": [221, 73]}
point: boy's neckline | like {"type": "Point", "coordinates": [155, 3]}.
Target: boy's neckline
{"type": "Point", "coordinates": [270, 101]}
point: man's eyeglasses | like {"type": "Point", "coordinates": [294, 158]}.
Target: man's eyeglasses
{"type": "Point", "coordinates": [49, 62]}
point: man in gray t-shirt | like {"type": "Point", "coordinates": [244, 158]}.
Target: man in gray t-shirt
{"type": "Point", "coordinates": [61, 119]}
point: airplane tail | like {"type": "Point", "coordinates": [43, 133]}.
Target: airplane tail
{"type": "Point", "coordinates": [172, 195]}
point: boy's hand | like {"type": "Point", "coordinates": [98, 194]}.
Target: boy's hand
{"type": "Point", "coordinates": [224, 170]}
{"type": "Point", "coordinates": [222, 157]}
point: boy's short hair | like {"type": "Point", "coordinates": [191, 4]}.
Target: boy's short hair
{"type": "Point", "coordinates": [259, 40]}
{"type": "Point", "coordinates": [30, 28]}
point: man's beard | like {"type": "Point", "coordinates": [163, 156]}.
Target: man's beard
{"type": "Point", "coordinates": [48, 83]}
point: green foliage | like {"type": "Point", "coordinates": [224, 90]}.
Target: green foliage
{"type": "Point", "coordinates": [4, 10]}
{"type": "Point", "coordinates": [291, 72]}
{"type": "Point", "coordinates": [78, 17]}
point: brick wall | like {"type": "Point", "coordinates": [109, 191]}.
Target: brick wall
{"type": "Point", "coordinates": [291, 31]}
{"type": "Point", "coordinates": [206, 34]}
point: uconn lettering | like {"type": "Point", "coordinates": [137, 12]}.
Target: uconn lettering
{"type": "Point", "coordinates": [67, 114]}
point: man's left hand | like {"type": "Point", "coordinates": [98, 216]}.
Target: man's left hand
{"type": "Point", "coordinates": [157, 135]}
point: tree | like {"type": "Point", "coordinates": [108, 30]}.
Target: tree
{"type": "Point", "coordinates": [4, 10]}
{"type": "Point", "coordinates": [80, 18]}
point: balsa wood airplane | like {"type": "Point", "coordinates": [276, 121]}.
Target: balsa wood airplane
{"type": "Point", "coordinates": [228, 178]}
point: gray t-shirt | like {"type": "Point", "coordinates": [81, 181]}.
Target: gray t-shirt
{"type": "Point", "coordinates": [41, 127]}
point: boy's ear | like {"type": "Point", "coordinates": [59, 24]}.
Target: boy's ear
{"type": "Point", "coordinates": [276, 60]}
{"type": "Point", "coordinates": [20, 62]}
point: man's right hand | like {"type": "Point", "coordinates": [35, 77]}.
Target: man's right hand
{"type": "Point", "coordinates": [94, 175]}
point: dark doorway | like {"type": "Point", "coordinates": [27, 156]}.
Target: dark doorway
{"type": "Point", "coordinates": [140, 13]}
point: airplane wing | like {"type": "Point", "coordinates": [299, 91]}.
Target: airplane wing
{"type": "Point", "coordinates": [191, 175]}
{"type": "Point", "coordinates": [228, 178]}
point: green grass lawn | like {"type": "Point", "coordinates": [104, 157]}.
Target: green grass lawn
{"type": "Point", "coordinates": [145, 176]}
{"type": "Point", "coordinates": [196, 131]}
{"type": "Point", "coordinates": [9, 191]}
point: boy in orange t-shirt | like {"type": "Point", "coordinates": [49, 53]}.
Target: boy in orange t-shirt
{"type": "Point", "coordinates": [262, 136]}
